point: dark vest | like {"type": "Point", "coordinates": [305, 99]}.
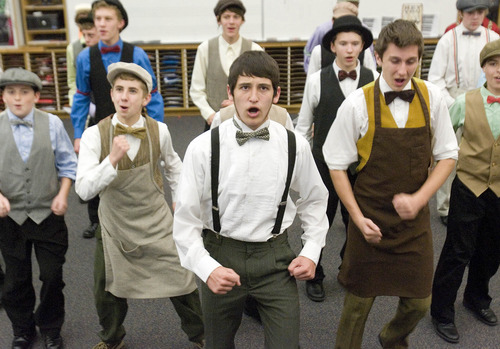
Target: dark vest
{"type": "Point", "coordinates": [327, 57]}
{"type": "Point", "coordinates": [99, 84]}
{"type": "Point", "coordinates": [329, 102]}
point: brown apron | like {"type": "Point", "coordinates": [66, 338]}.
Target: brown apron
{"type": "Point", "coordinates": [402, 263]}
{"type": "Point", "coordinates": [141, 260]}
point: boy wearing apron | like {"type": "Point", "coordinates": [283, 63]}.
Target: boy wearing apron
{"type": "Point", "coordinates": [393, 126]}
{"type": "Point", "coordinates": [135, 254]}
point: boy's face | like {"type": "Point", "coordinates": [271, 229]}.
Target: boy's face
{"type": "Point", "coordinates": [91, 36]}
{"type": "Point", "coordinates": [253, 98]}
{"type": "Point", "coordinates": [347, 47]}
{"type": "Point", "coordinates": [473, 19]}
{"type": "Point", "coordinates": [398, 65]}
{"type": "Point", "coordinates": [129, 99]}
{"type": "Point", "coordinates": [20, 99]}
{"type": "Point", "coordinates": [492, 71]}
{"type": "Point", "coordinates": [108, 25]}
{"type": "Point", "coordinates": [230, 23]}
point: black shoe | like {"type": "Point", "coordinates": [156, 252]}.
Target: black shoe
{"type": "Point", "coordinates": [380, 341]}
{"type": "Point", "coordinates": [486, 315]}
{"type": "Point", "coordinates": [51, 342]}
{"type": "Point", "coordinates": [23, 342]}
{"type": "Point", "coordinates": [447, 331]}
{"type": "Point", "coordinates": [315, 291]}
{"type": "Point", "coordinates": [89, 233]}
{"type": "Point", "coordinates": [444, 220]}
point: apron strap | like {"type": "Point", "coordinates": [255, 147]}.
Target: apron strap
{"type": "Point", "coordinates": [292, 150]}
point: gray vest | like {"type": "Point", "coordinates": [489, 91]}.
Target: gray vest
{"type": "Point", "coordinates": [31, 186]}
{"type": "Point", "coordinates": [216, 77]}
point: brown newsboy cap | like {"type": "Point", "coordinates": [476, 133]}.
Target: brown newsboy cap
{"type": "Point", "coordinates": [489, 50]}
{"type": "Point", "coordinates": [20, 76]}
{"type": "Point", "coordinates": [222, 5]}
{"type": "Point", "coordinates": [131, 68]}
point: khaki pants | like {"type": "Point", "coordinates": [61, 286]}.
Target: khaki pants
{"type": "Point", "coordinates": [394, 334]}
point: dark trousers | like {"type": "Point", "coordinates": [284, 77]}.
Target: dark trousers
{"type": "Point", "coordinates": [92, 209]}
{"type": "Point", "coordinates": [472, 239]}
{"type": "Point", "coordinates": [263, 271]}
{"type": "Point", "coordinates": [112, 310]}
{"type": "Point", "coordinates": [49, 239]}
{"type": "Point", "coordinates": [331, 209]}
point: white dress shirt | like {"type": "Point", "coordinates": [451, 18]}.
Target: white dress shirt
{"type": "Point", "coordinates": [227, 53]}
{"type": "Point", "coordinates": [351, 124]}
{"type": "Point", "coordinates": [315, 62]}
{"type": "Point", "coordinates": [312, 95]}
{"type": "Point", "coordinates": [251, 184]}
{"type": "Point", "coordinates": [443, 72]}
{"type": "Point", "coordinates": [93, 176]}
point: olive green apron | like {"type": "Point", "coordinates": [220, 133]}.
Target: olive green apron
{"type": "Point", "coordinates": [402, 263]}
{"type": "Point", "coordinates": [141, 260]}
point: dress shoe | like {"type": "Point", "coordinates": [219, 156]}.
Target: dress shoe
{"type": "Point", "coordinates": [447, 331]}
{"type": "Point", "coordinates": [52, 342]}
{"type": "Point", "coordinates": [89, 233]}
{"type": "Point", "coordinates": [444, 220]}
{"type": "Point", "coordinates": [315, 291]}
{"type": "Point", "coordinates": [23, 342]}
{"type": "Point", "coordinates": [486, 315]}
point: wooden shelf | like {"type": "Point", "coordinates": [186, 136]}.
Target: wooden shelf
{"type": "Point", "coordinates": [48, 28]}
{"type": "Point", "coordinates": [173, 67]}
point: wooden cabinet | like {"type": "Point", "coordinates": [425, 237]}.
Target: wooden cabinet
{"type": "Point", "coordinates": [173, 66]}
{"type": "Point", "coordinates": [44, 22]}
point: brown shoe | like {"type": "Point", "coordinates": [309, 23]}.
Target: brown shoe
{"type": "Point", "coordinates": [104, 345]}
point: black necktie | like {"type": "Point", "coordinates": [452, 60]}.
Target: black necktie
{"type": "Point", "coordinates": [344, 75]}
{"type": "Point", "coordinates": [18, 122]}
{"type": "Point", "coordinates": [405, 95]}
{"type": "Point", "coordinates": [472, 33]}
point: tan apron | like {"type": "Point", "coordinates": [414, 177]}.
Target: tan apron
{"type": "Point", "coordinates": [402, 263]}
{"type": "Point", "coordinates": [141, 260]}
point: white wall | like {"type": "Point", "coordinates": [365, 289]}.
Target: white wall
{"type": "Point", "coordinates": [184, 21]}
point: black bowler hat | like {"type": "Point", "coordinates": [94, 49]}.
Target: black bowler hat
{"type": "Point", "coordinates": [119, 6]}
{"type": "Point", "coordinates": [348, 24]}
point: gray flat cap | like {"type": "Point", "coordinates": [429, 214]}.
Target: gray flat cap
{"type": "Point", "coordinates": [471, 5]}
{"type": "Point", "coordinates": [121, 67]}
{"type": "Point", "coordinates": [20, 76]}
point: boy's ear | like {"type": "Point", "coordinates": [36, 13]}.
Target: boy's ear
{"type": "Point", "coordinates": [146, 100]}
{"type": "Point", "coordinates": [276, 98]}
{"type": "Point", "coordinates": [229, 95]}
{"type": "Point", "coordinates": [37, 96]}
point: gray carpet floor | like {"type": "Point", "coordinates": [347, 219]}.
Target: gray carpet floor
{"type": "Point", "coordinates": [154, 323]}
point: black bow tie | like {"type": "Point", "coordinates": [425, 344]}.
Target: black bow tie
{"type": "Point", "coordinates": [405, 95]}
{"type": "Point", "coordinates": [472, 33]}
{"type": "Point", "coordinates": [344, 75]}
{"type": "Point", "coordinates": [18, 122]}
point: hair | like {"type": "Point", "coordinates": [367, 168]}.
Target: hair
{"type": "Point", "coordinates": [254, 63]}
{"type": "Point", "coordinates": [104, 4]}
{"type": "Point", "coordinates": [81, 15]}
{"type": "Point", "coordinates": [86, 25]}
{"type": "Point", "coordinates": [131, 77]}
{"type": "Point", "coordinates": [234, 9]}
{"type": "Point", "coordinates": [401, 33]}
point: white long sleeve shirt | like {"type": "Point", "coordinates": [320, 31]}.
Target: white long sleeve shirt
{"type": "Point", "coordinates": [448, 67]}
{"type": "Point", "coordinates": [93, 176]}
{"type": "Point", "coordinates": [312, 95]}
{"type": "Point", "coordinates": [227, 53]}
{"type": "Point", "coordinates": [351, 124]}
{"type": "Point", "coordinates": [251, 183]}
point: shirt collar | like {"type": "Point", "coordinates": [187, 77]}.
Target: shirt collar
{"type": "Point", "coordinates": [463, 29]}
{"type": "Point", "coordinates": [139, 123]}
{"type": "Point", "coordinates": [336, 68]}
{"type": "Point", "coordinates": [225, 45]}
{"type": "Point", "coordinates": [485, 92]}
{"type": "Point", "coordinates": [28, 117]}
{"type": "Point", "coordinates": [245, 128]}
{"type": "Point", "coordinates": [119, 43]}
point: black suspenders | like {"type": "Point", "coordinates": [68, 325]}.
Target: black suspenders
{"type": "Point", "coordinates": [215, 180]}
